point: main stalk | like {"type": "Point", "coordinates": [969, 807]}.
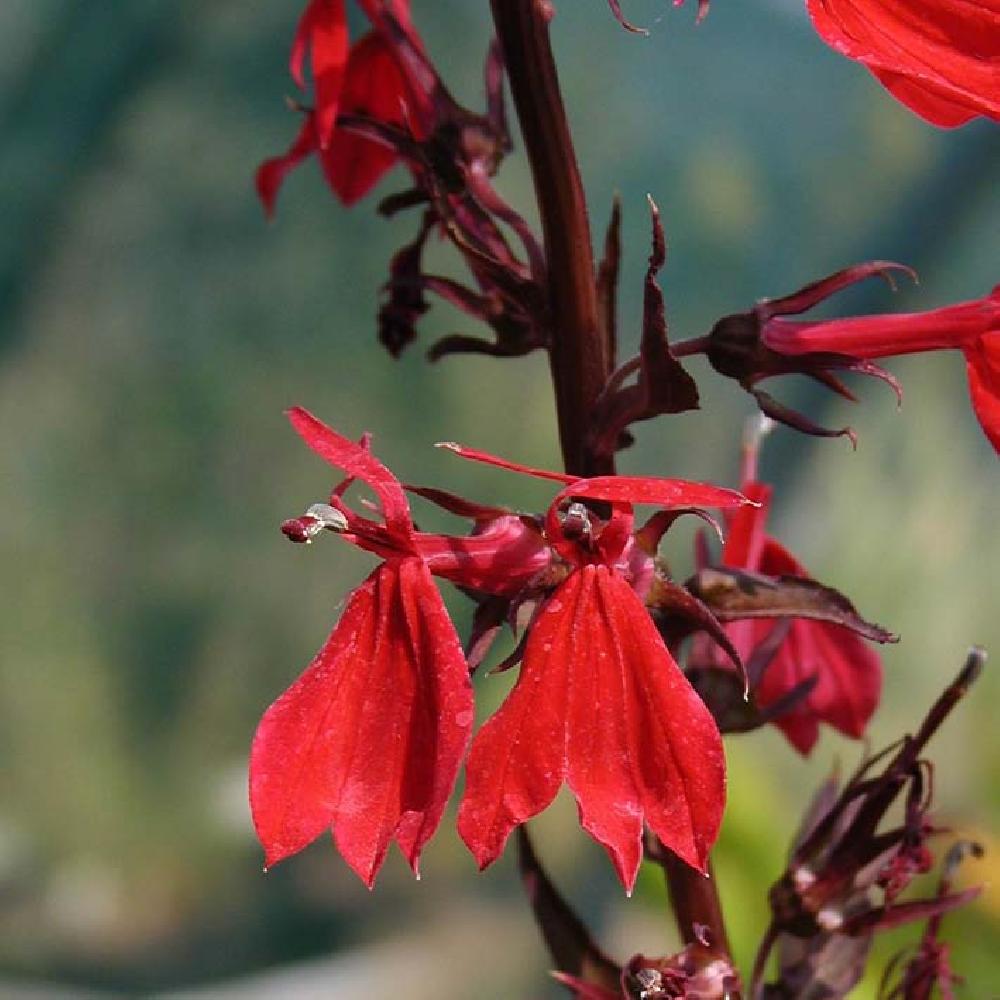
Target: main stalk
{"type": "Point", "coordinates": [578, 353]}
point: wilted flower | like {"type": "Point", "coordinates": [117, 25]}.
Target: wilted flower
{"type": "Point", "coordinates": [851, 861]}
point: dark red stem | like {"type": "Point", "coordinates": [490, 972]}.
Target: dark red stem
{"type": "Point", "coordinates": [578, 353]}
{"type": "Point", "coordinates": [695, 903]}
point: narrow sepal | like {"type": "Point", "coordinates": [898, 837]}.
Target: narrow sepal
{"type": "Point", "coordinates": [357, 461]}
{"type": "Point", "coordinates": [271, 173]}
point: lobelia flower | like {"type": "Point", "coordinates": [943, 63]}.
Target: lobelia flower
{"type": "Point", "coordinates": [941, 58]}
{"type": "Point", "coordinates": [369, 740]}
{"type": "Point", "coordinates": [600, 703]}
{"type": "Point", "coordinates": [368, 78]}
{"type": "Point", "coordinates": [762, 343]}
{"type": "Point", "coordinates": [846, 674]}
{"type": "Point", "coordinates": [387, 104]}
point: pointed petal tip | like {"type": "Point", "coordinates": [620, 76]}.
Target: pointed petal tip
{"type": "Point", "coordinates": [274, 856]}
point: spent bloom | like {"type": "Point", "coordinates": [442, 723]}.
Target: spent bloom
{"type": "Point", "coordinates": [763, 342]}
{"type": "Point", "coordinates": [369, 740]}
{"type": "Point", "coordinates": [854, 857]}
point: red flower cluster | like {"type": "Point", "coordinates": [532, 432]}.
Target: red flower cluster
{"type": "Point", "coordinates": [369, 740]}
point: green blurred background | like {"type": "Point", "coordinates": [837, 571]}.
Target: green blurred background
{"type": "Point", "coordinates": [152, 329]}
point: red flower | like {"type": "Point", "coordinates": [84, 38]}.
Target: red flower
{"type": "Point", "coordinates": [369, 740]}
{"type": "Point", "coordinates": [938, 57]}
{"type": "Point", "coordinates": [848, 672]}
{"type": "Point", "coordinates": [761, 343]}
{"type": "Point", "coordinates": [369, 78]}
{"type": "Point", "coordinates": [600, 702]}
{"type": "Point", "coordinates": [971, 327]}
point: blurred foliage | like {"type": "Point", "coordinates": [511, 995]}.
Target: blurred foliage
{"type": "Point", "coordinates": [152, 329]}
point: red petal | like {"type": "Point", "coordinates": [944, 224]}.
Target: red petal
{"type": "Point", "coordinates": [983, 367]}
{"type": "Point", "coordinates": [373, 86]}
{"type": "Point", "coordinates": [356, 461]}
{"type": "Point", "coordinates": [936, 56]}
{"type": "Point", "coordinates": [323, 30]}
{"type": "Point", "coordinates": [956, 326]}
{"type": "Point", "coordinates": [501, 463]}
{"type": "Point", "coordinates": [848, 671]}
{"type": "Point", "coordinates": [518, 758]}
{"type": "Point", "coordinates": [665, 493]}
{"type": "Point", "coordinates": [745, 530]}
{"type": "Point", "coordinates": [271, 173]}
{"type": "Point", "coordinates": [368, 741]}
{"type": "Point", "coordinates": [601, 703]}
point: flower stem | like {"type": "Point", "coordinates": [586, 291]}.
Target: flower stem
{"type": "Point", "coordinates": [695, 902]}
{"type": "Point", "coordinates": [694, 899]}
{"type": "Point", "coordinates": [578, 353]}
